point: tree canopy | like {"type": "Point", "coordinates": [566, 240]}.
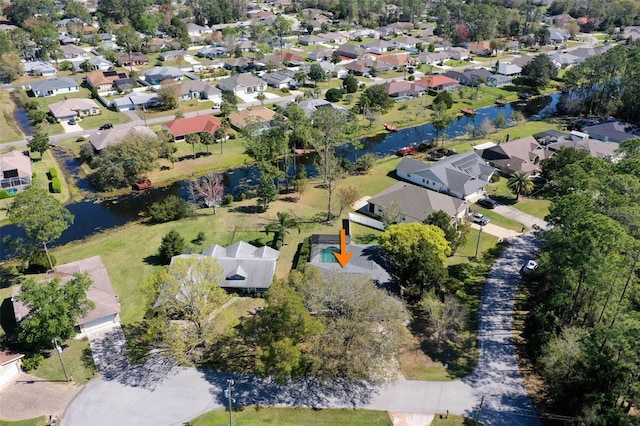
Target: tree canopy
{"type": "Point", "coordinates": [538, 72]}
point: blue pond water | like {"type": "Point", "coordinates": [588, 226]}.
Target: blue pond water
{"type": "Point", "coordinates": [94, 216]}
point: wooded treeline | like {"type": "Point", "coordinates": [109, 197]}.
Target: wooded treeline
{"type": "Point", "coordinates": [584, 323]}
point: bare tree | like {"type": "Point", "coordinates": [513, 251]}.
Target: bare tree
{"type": "Point", "coordinates": [446, 318]}
{"type": "Point", "coordinates": [211, 189]}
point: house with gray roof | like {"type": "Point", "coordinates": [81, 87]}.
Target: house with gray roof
{"type": "Point", "coordinates": [351, 51]}
{"type": "Point", "coordinates": [39, 68]}
{"type": "Point", "coordinates": [135, 100]}
{"type": "Point", "coordinates": [416, 203]}
{"type": "Point", "coordinates": [462, 176]}
{"type": "Point", "coordinates": [367, 260]}
{"type": "Point", "coordinates": [518, 155]}
{"type": "Point", "coordinates": [247, 268]}
{"type": "Point", "coordinates": [594, 147]}
{"type": "Point", "coordinates": [611, 131]}
{"type": "Point", "coordinates": [242, 83]}
{"type": "Point", "coordinates": [157, 75]}
{"type": "Point", "coordinates": [280, 79]}
{"type": "Point", "coordinates": [54, 86]}
{"type": "Point", "coordinates": [212, 52]}
{"type": "Point", "coordinates": [198, 89]}
{"type": "Point", "coordinates": [172, 55]}
{"type": "Point", "coordinates": [104, 138]}
{"type": "Point", "coordinates": [310, 40]}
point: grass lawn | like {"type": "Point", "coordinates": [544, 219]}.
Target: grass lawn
{"type": "Point", "coordinates": [106, 116]}
{"type": "Point", "coordinates": [237, 308]}
{"type": "Point", "coordinates": [500, 220]}
{"type": "Point", "coordinates": [284, 416]}
{"type": "Point", "coordinates": [38, 421]}
{"type": "Point", "coordinates": [469, 249]}
{"type": "Point", "coordinates": [534, 206]}
{"type": "Point", "coordinates": [10, 130]}
{"type": "Point", "coordinates": [76, 356]}
{"type": "Point", "coordinates": [452, 420]}
{"type": "Point", "coordinates": [187, 106]}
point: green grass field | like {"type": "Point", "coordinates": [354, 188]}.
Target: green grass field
{"type": "Point", "coordinates": [106, 116]}
{"type": "Point", "coordinates": [10, 130]}
{"type": "Point", "coordinates": [281, 416]}
{"type": "Point", "coordinates": [38, 421]}
{"type": "Point", "coordinates": [76, 356]}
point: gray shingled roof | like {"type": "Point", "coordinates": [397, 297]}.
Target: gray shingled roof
{"type": "Point", "coordinates": [53, 84]}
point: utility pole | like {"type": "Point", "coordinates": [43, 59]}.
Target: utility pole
{"type": "Point", "coordinates": [478, 245]}
{"type": "Point", "coordinates": [230, 383]}
{"type": "Point", "coordinates": [58, 350]}
{"type": "Point", "coordinates": [479, 410]}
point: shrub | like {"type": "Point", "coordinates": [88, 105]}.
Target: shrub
{"type": "Point", "coordinates": [284, 90]}
{"type": "Point", "coordinates": [172, 244]}
{"type": "Point", "coordinates": [495, 178]}
{"type": "Point", "coordinates": [32, 361]}
{"type": "Point", "coordinates": [53, 172]}
{"type": "Point", "coordinates": [87, 153]}
{"type": "Point", "coordinates": [303, 254]}
{"type": "Point", "coordinates": [172, 208]}
{"type": "Point", "coordinates": [365, 163]}
{"type": "Point", "coordinates": [38, 262]}
{"type": "Point", "coordinates": [333, 95]}
{"type": "Point", "coordinates": [228, 199]}
{"type": "Point", "coordinates": [242, 196]}
{"type": "Point", "coordinates": [412, 77]}
{"type": "Point", "coordinates": [4, 194]}
{"type": "Point", "coordinates": [56, 185]}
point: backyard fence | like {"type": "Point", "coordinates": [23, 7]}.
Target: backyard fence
{"type": "Point", "coordinates": [366, 221]}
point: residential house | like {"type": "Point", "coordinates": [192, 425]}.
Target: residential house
{"type": "Point", "coordinates": [402, 26]}
{"type": "Point", "coordinates": [54, 86]}
{"type": "Point", "coordinates": [457, 53]}
{"type": "Point", "coordinates": [198, 32]}
{"type": "Point", "coordinates": [611, 131]}
{"type": "Point", "coordinates": [247, 46]}
{"type": "Point", "coordinates": [239, 64]}
{"type": "Point", "coordinates": [366, 260]}
{"type": "Point", "coordinates": [480, 48]}
{"type": "Point", "coordinates": [518, 155]}
{"type": "Point", "coordinates": [474, 76]}
{"type": "Point", "coordinates": [198, 89]}
{"type": "Point", "coordinates": [310, 40]}
{"type": "Point", "coordinates": [135, 100]}
{"type": "Point", "coordinates": [173, 55]}
{"type": "Point", "coordinates": [351, 51]}
{"type": "Point", "coordinates": [334, 37]}
{"type": "Point", "coordinates": [104, 138]}
{"type": "Point", "coordinates": [257, 115]}
{"type": "Point", "coordinates": [366, 66]}
{"type": "Point", "coordinates": [181, 127]}
{"type": "Point", "coordinates": [398, 61]}
{"type": "Point", "coordinates": [403, 88]}
{"type": "Point", "coordinates": [560, 20]}
{"type": "Point", "coordinates": [462, 176]}
{"type": "Point", "coordinates": [106, 312]}
{"type": "Point", "coordinates": [281, 79]}
{"type": "Point", "coordinates": [133, 58]}
{"type": "Point", "coordinates": [156, 44]}
{"type": "Point", "coordinates": [415, 203]}
{"type": "Point", "coordinates": [104, 81]}
{"type": "Point", "coordinates": [39, 68]}
{"type": "Point", "coordinates": [290, 59]}
{"type": "Point", "coordinates": [594, 147]}
{"type": "Point", "coordinates": [242, 83]}
{"type": "Point", "coordinates": [432, 58]}
{"type": "Point", "coordinates": [157, 75]}
{"type": "Point", "coordinates": [247, 268]}
{"type": "Point", "coordinates": [631, 32]}
{"type": "Point", "coordinates": [379, 46]}
{"type": "Point", "coordinates": [510, 70]}
{"type": "Point", "coordinates": [74, 108]}
{"type": "Point", "coordinates": [96, 63]}
{"type": "Point", "coordinates": [69, 51]}
{"type": "Point", "coordinates": [330, 69]}
{"type": "Point", "coordinates": [10, 363]}
{"type": "Point", "coordinates": [586, 52]}
{"type": "Point", "coordinates": [557, 36]}
{"type": "Point", "coordinates": [440, 83]}
{"type": "Point", "coordinates": [407, 43]}
{"type": "Point", "coordinates": [312, 105]}
{"type": "Point", "coordinates": [212, 52]}
{"type": "Point", "coordinates": [15, 172]}
{"type": "Point", "coordinates": [321, 54]}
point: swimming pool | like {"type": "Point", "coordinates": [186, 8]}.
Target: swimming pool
{"type": "Point", "coordinates": [326, 255]}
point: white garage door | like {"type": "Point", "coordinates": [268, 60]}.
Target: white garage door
{"type": "Point", "coordinates": [8, 372]}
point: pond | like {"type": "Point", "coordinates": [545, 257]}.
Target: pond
{"type": "Point", "coordinates": [92, 215]}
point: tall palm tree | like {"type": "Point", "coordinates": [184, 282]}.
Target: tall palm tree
{"type": "Point", "coordinates": [520, 183]}
{"type": "Point", "coordinates": [282, 226]}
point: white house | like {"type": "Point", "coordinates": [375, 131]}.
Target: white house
{"type": "Point", "coordinates": [54, 86]}
{"type": "Point", "coordinates": [9, 366]}
{"type": "Point", "coordinates": [242, 83]}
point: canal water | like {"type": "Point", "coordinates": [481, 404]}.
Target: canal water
{"type": "Point", "coordinates": [93, 215]}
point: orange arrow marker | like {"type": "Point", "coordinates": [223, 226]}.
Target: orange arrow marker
{"type": "Point", "coordinates": [343, 257]}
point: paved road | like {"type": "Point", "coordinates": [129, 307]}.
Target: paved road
{"type": "Point", "coordinates": [519, 216]}
{"type": "Point", "coordinates": [159, 393]}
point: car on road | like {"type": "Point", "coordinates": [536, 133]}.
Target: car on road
{"type": "Point", "coordinates": [487, 203]}
{"type": "Point", "coordinates": [529, 267]}
{"type": "Point", "coordinates": [481, 219]}
{"type": "Point", "coordinates": [106, 126]}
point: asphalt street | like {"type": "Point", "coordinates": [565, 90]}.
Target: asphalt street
{"type": "Point", "coordinates": [159, 393]}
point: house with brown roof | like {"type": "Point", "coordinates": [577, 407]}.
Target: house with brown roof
{"type": "Point", "coordinates": [415, 203]}
{"type": "Point", "coordinates": [398, 60]}
{"type": "Point", "coordinates": [519, 155]}
{"type": "Point", "coordinates": [404, 88]}
{"type": "Point", "coordinates": [440, 83]}
{"type": "Point", "coordinates": [256, 115]}
{"type": "Point", "coordinates": [104, 81]}
{"type": "Point", "coordinates": [181, 127]}
{"type": "Point", "coordinates": [481, 48]}
{"type": "Point", "coordinates": [10, 363]}
{"type": "Point", "coordinates": [74, 108]}
{"type": "Point", "coordinates": [365, 66]}
{"type": "Point", "coordinates": [15, 172]}
{"type": "Point", "coordinates": [134, 58]}
{"type": "Point", "coordinates": [106, 312]}
{"type": "Point", "coordinates": [290, 59]}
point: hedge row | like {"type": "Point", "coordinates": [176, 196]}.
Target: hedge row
{"type": "Point", "coordinates": [53, 172]}
{"type": "Point", "coordinates": [56, 185]}
{"type": "Point", "coordinates": [303, 254]}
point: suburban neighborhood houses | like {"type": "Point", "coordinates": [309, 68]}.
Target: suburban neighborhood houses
{"type": "Point", "coordinates": [319, 213]}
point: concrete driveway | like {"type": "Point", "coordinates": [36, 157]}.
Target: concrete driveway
{"type": "Point", "coordinates": [159, 393]}
{"type": "Point", "coordinates": [519, 216]}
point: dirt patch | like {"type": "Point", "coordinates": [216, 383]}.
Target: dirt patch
{"type": "Point", "coordinates": [410, 419]}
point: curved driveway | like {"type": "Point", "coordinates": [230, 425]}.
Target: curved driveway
{"type": "Point", "coordinates": [160, 394]}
